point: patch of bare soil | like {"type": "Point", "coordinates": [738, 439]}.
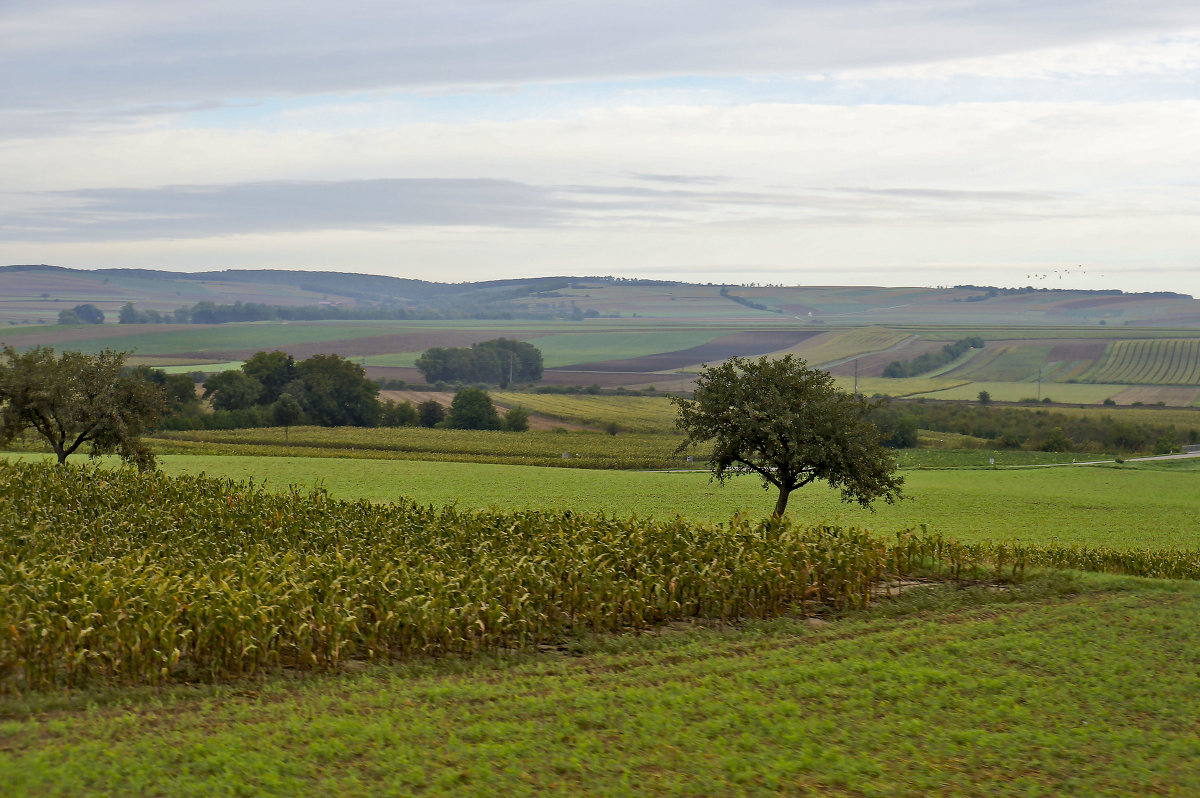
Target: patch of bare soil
{"type": "Point", "coordinates": [1077, 350]}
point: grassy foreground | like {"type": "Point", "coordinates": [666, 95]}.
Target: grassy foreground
{"type": "Point", "coordinates": [1072, 685]}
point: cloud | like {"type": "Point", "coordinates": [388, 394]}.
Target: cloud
{"type": "Point", "coordinates": [115, 54]}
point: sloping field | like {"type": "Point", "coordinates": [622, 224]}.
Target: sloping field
{"type": "Point", "coordinates": [830, 347]}
{"type": "Point", "coordinates": [1170, 361]}
{"type": "Point", "coordinates": [567, 349]}
{"type": "Point", "coordinates": [631, 413]}
{"type": "Point", "coordinates": [746, 344]}
{"type": "Point", "coordinates": [1003, 361]}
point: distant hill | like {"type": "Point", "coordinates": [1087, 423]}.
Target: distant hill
{"type": "Point", "coordinates": [34, 294]}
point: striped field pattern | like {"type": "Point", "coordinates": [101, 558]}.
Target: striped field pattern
{"type": "Point", "coordinates": [1164, 361]}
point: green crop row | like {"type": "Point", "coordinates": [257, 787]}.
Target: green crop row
{"type": "Point", "coordinates": [1169, 361]}
{"type": "Point", "coordinates": [115, 576]}
{"type": "Point", "coordinates": [630, 413]}
{"type": "Point", "coordinates": [542, 447]}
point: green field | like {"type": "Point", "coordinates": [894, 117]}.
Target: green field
{"type": "Point", "coordinates": [568, 349]}
{"type": "Point", "coordinates": [1120, 507]}
{"type": "Point", "coordinates": [943, 694]}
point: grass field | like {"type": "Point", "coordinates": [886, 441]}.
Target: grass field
{"type": "Point", "coordinates": [942, 694]}
{"type": "Point", "coordinates": [1116, 506]}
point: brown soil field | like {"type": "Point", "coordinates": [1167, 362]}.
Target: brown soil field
{"type": "Point", "coordinates": [745, 344]}
{"type": "Point", "coordinates": [1077, 350]}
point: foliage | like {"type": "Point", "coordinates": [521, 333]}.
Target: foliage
{"type": "Point", "coordinates": [985, 398]}
{"type": "Point", "coordinates": [932, 360]}
{"type": "Point", "coordinates": [285, 412]}
{"type": "Point", "coordinates": [336, 392]}
{"type": "Point", "coordinates": [472, 408]}
{"type": "Point", "coordinates": [233, 390]}
{"type": "Point", "coordinates": [273, 370]}
{"type": "Point", "coordinates": [398, 414]}
{"type": "Point", "coordinates": [430, 413]}
{"type": "Point", "coordinates": [1005, 427]}
{"type": "Point", "coordinates": [497, 361]}
{"type": "Point", "coordinates": [516, 420]}
{"type": "Point", "coordinates": [787, 423]}
{"type": "Point", "coordinates": [78, 399]}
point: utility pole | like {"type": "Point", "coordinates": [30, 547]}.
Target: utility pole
{"type": "Point", "coordinates": [855, 376]}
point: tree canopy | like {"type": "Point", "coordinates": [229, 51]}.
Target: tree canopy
{"type": "Point", "coordinates": [788, 424]}
{"type": "Point", "coordinates": [499, 361]}
{"type": "Point", "coordinates": [330, 390]}
{"type": "Point", "coordinates": [76, 399]}
{"type": "Point", "coordinates": [472, 408]}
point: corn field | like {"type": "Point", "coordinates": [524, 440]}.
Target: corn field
{"type": "Point", "coordinates": [117, 577]}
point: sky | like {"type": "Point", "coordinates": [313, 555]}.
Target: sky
{"type": "Point", "coordinates": [1053, 143]}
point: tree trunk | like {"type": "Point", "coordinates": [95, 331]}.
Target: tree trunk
{"type": "Point", "coordinates": [781, 503]}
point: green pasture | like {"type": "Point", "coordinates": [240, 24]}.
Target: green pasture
{"type": "Point", "coordinates": [944, 693]}
{"type": "Point", "coordinates": [1124, 506]}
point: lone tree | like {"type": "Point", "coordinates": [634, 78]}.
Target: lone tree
{"type": "Point", "coordinates": [790, 425]}
{"type": "Point", "coordinates": [75, 399]}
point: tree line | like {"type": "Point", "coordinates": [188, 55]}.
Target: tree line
{"type": "Point", "coordinates": [932, 360]}
{"type": "Point", "coordinates": [1041, 430]}
{"type": "Point", "coordinates": [499, 361]}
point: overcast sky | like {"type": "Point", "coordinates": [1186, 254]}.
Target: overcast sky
{"type": "Point", "coordinates": [906, 142]}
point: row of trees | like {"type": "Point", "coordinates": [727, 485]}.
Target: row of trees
{"type": "Point", "coordinates": [499, 361]}
{"type": "Point", "coordinates": [932, 360]}
{"type": "Point", "coordinates": [1013, 428]}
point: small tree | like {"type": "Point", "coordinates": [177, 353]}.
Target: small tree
{"type": "Point", "coordinates": [430, 413]}
{"type": "Point", "coordinates": [516, 419]}
{"type": "Point", "coordinates": [790, 425]}
{"type": "Point", "coordinates": [472, 408]}
{"type": "Point", "coordinates": [75, 399]}
{"type": "Point", "coordinates": [286, 411]}
{"type": "Point", "coordinates": [985, 398]}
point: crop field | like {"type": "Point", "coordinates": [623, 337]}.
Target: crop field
{"type": "Point", "coordinates": [632, 413]}
{"type": "Point", "coordinates": [1120, 507]}
{"type": "Point", "coordinates": [566, 349]}
{"type": "Point", "coordinates": [1173, 361]}
{"type": "Point", "coordinates": [900, 387]}
{"type": "Point", "coordinates": [830, 347]}
{"type": "Point", "coordinates": [589, 450]}
{"type": "Point", "coordinates": [1071, 393]}
{"type": "Point", "coordinates": [943, 693]}
{"type": "Point", "coordinates": [114, 576]}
